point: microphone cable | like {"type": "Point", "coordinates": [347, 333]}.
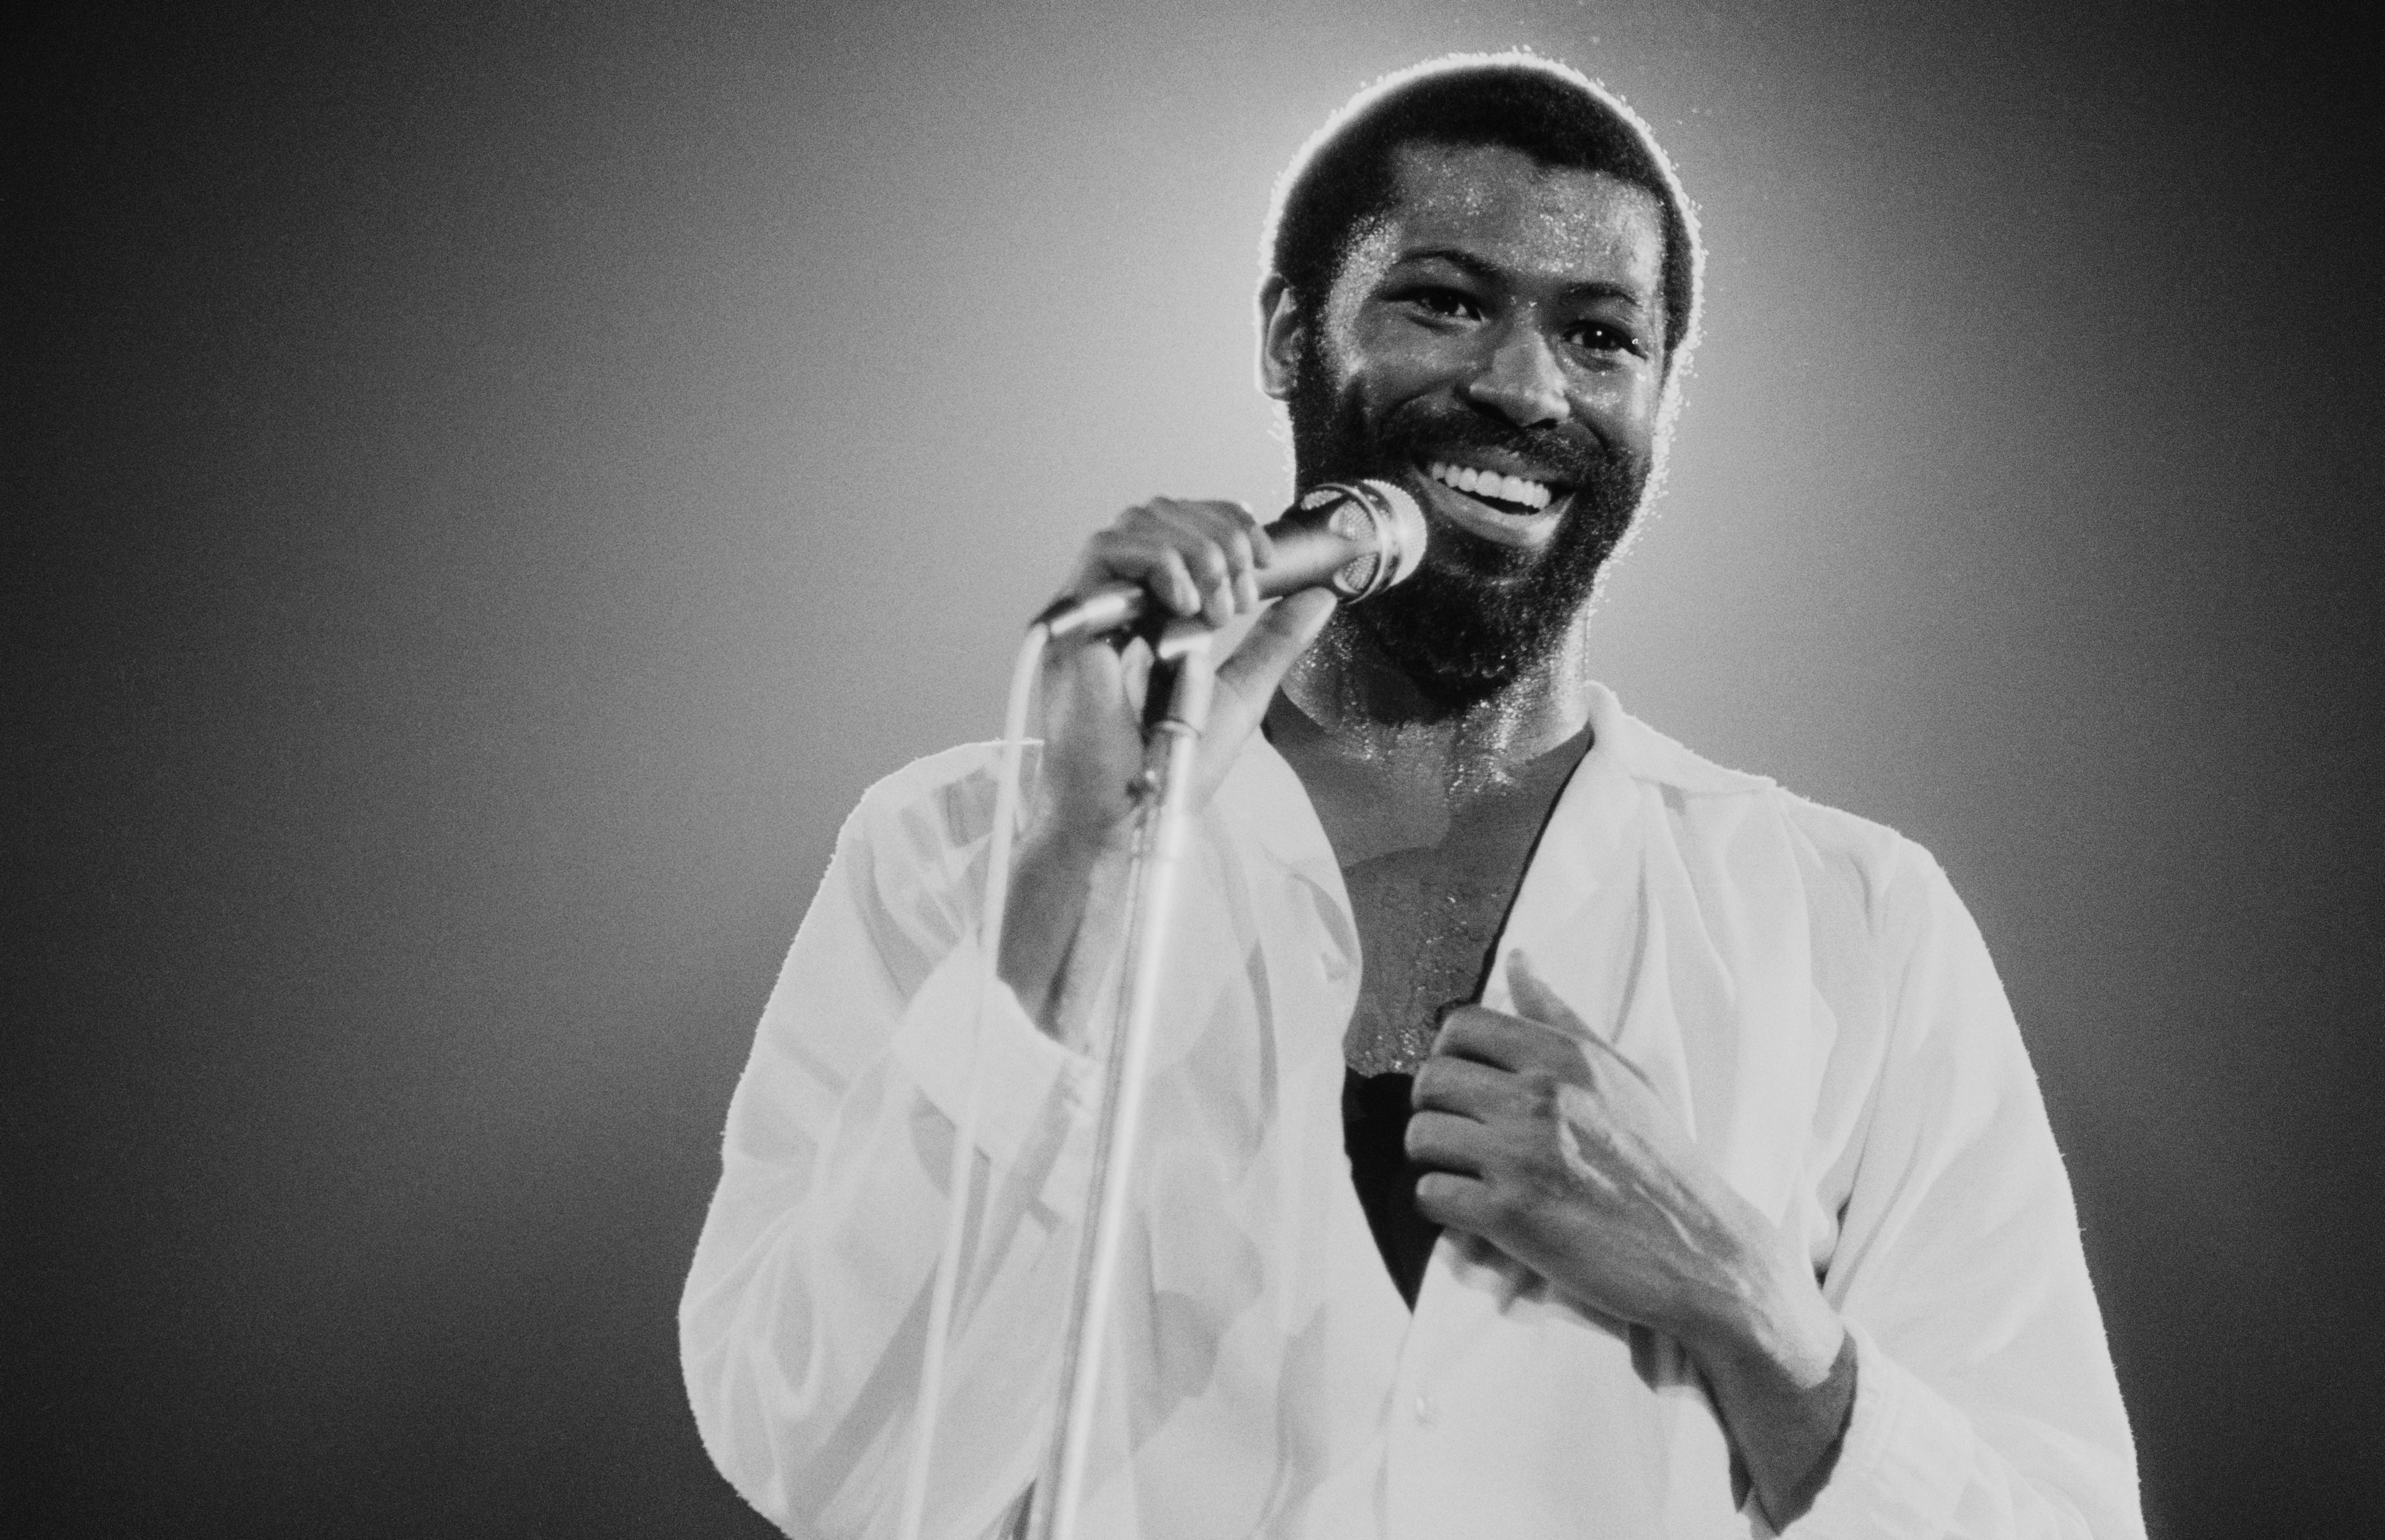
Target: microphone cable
{"type": "Point", "coordinates": [1387, 518]}
{"type": "Point", "coordinates": [963, 1165]}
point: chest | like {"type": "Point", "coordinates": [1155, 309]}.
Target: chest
{"type": "Point", "coordinates": [1432, 860]}
{"type": "Point", "coordinates": [1427, 920]}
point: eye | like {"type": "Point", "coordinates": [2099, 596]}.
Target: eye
{"type": "Point", "coordinates": [1598, 336]}
{"type": "Point", "coordinates": [1441, 302]}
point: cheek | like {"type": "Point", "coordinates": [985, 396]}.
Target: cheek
{"type": "Point", "coordinates": [1620, 408]}
{"type": "Point", "coordinates": [1369, 380]}
{"type": "Point", "coordinates": [1388, 365]}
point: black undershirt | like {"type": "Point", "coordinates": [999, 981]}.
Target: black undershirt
{"type": "Point", "coordinates": [1374, 1130]}
{"type": "Point", "coordinates": [1476, 868]}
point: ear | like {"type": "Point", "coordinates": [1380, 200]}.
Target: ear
{"type": "Point", "coordinates": [1282, 327]}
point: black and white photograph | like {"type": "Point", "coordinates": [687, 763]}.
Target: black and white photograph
{"type": "Point", "coordinates": [1102, 771]}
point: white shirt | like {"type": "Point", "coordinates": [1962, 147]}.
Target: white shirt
{"type": "Point", "coordinates": [1804, 988]}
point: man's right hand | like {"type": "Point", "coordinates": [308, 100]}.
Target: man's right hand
{"type": "Point", "coordinates": [1195, 558]}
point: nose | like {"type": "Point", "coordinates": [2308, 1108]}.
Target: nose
{"type": "Point", "coordinates": [1521, 381]}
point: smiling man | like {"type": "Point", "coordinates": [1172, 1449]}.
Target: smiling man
{"type": "Point", "coordinates": [1551, 1133]}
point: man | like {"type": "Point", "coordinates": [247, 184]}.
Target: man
{"type": "Point", "coordinates": [1670, 1166]}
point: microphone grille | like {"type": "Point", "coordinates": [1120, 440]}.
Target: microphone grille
{"type": "Point", "coordinates": [1407, 529]}
{"type": "Point", "coordinates": [1382, 519]}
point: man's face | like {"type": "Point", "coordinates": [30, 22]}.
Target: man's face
{"type": "Point", "coordinates": [1495, 344]}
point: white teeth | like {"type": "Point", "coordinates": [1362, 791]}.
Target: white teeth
{"type": "Point", "coordinates": [1489, 484]}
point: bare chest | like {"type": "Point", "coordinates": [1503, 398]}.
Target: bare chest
{"type": "Point", "coordinates": [1427, 920]}
{"type": "Point", "coordinates": [1432, 866]}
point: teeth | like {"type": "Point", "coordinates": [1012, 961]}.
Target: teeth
{"type": "Point", "coordinates": [1488, 483]}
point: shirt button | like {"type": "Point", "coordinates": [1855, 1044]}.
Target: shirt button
{"type": "Point", "coordinates": [1426, 1411]}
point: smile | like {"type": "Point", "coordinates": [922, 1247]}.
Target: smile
{"type": "Point", "coordinates": [1500, 507]}
{"type": "Point", "coordinates": [1491, 487]}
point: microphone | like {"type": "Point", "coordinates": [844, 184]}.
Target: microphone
{"type": "Point", "coordinates": [1358, 538]}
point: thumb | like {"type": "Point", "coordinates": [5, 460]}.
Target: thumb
{"type": "Point", "coordinates": [1536, 1001]}
{"type": "Point", "coordinates": [1246, 681]}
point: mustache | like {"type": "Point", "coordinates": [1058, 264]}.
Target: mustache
{"type": "Point", "coordinates": [1574, 458]}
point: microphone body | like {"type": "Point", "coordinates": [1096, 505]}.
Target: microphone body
{"type": "Point", "coordinates": [1358, 538]}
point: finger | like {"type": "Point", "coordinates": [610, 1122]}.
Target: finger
{"type": "Point", "coordinates": [1076, 679]}
{"type": "Point", "coordinates": [1454, 1202]}
{"type": "Point", "coordinates": [1510, 1043]}
{"type": "Point", "coordinates": [1149, 557]}
{"type": "Point", "coordinates": [1486, 1036]}
{"type": "Point", "coordinates": [1462, 1086]}
{"type": "Point", "coordinates": [1597, 1051]}
{"type": "Point", "coordinates": [1216, 540]}
{"type": "Point", "coordinates": [1247, 681]}
{"type": "Point", "coordinates": [1247, 547]}
{"type": "Point", "coordinates": [1254, 538]}
{"type": "Point", "coordinates": [1538, 1001]}
{"type": "Point", "coordinates": [1134, 673]}
{"type": "Point", "coordinates": [1139, 555]}
{"type": "Point", "coordinates": [1447, 1143]}
{"type": "Point", "coordinates": [1232, 525]}
{"type": "Point", "coordinates": [1210, 563]}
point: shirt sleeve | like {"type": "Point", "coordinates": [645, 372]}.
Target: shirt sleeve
{"type": "Point", "coordinates": [1985, 1403]}
{"type": "Point", "coordinates": [803, 1322]}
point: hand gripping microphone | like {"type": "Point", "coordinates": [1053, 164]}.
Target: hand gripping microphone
{"type": "Point", "coordinates": [1358, 538]}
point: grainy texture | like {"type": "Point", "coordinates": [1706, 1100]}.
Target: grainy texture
{"type": "Point", "coordinates": [486, 489]}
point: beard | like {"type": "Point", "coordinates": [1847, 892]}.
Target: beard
{"type": "Point", "coordinates": [1477, 614]}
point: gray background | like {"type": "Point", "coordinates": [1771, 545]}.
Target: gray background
{"type": "Point", "coordinates": [487, 488]}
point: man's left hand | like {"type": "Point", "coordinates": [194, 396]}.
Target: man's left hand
{"type": "Point", "coordinates": [1557, 1150]}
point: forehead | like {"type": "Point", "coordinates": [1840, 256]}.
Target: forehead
{"type": "Point", "coordinates": [1501, 207]}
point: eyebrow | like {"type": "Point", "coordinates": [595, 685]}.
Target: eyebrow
{"type": "Point", "coordinates": [1476, 267]}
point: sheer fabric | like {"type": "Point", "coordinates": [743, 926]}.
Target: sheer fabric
{"type": "Point", "coordinates": [1805, 989]}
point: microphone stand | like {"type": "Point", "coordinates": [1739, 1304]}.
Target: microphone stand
{"type": "Point", "coordinates": [1183, 676]}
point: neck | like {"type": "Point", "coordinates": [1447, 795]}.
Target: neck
{"type": "Point", "coordinates": [1375, 712]}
